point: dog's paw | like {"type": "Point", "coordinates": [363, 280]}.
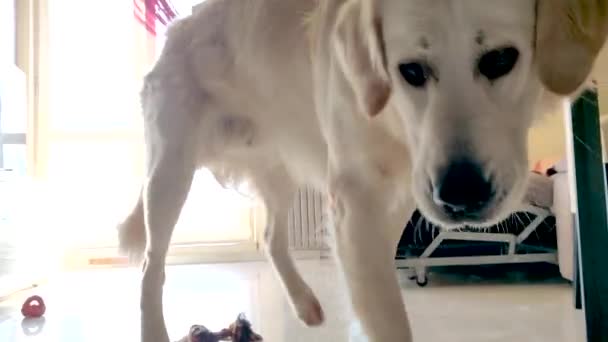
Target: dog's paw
{"type": "Point", "coordinates": [308, 308]}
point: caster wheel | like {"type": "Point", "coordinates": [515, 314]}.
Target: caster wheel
{"type": "Point", "coordinates": [422, 283]}
{"type": "Point", "coordinates": [421, 276]}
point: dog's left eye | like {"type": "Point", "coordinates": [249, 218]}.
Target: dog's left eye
{"type": "Point", "coordinates": [497, 63]}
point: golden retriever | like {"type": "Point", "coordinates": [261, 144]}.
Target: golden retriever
{"type": "Point", "coordinates": [383, 105]}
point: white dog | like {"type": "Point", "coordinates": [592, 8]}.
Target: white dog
{"type": "Point", "coordinates": [384, 105]}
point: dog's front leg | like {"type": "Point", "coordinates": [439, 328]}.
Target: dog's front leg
{"type": "Point", "coordinates": [366, 216]}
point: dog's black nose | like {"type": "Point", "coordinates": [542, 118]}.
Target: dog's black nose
{"type": "Point", "coordinates": [463, 190]}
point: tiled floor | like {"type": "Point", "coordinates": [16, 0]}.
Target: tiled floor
{"type": "Point", "coordinates": [102, 306]}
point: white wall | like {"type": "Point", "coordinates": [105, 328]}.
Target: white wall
{"type": "Point", "coordinates": [547, 138]}
{"type": "Point", "coordinates": [601, 75]}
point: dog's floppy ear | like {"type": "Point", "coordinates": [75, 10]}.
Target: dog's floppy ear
{"type": "Point", "coordinates": [359, 47]}
{"type": "Point", "coordinates": [569, 37]}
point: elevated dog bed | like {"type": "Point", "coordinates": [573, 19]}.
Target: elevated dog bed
{"type": "Point", "coordinates": [527, 236]}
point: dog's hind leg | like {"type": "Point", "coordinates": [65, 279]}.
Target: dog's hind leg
{"type": "Point", "coordinates": [277, 191]}
{"type": "Point", "coordinates": [171, 106]}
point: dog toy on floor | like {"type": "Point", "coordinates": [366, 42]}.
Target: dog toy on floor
{"type": "Point", "coordinates": [239, 331]}
{"type": "Point", "coordinates": [33, 307]}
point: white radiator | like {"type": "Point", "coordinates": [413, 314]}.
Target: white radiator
{"type": "Point", "coordinates": [306, 228]}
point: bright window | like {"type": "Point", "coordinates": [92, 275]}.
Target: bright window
{"type": "Point", "coordinates": [7, 32]}
{"type": "Point", "coordinates": [98, 55]}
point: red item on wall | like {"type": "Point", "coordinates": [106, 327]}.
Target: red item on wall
{"type": "Point", "coordinates": [151, 12]}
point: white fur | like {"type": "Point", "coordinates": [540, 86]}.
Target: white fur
{"type": "Point", "coordinates": [258, 90]}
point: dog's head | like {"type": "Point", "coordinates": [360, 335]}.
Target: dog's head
{"type": "Point", "coordinates": [467, 78]}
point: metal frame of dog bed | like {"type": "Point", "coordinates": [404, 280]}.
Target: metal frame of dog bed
{"type": "Point", "coordinates": [530, 254]}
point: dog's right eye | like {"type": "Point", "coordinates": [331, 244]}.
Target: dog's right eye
{"type": "Point", "coordinates": [415, 74]}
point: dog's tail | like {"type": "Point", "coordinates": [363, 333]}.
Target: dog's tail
{"type": "Point", "coordinates": [132, 232]}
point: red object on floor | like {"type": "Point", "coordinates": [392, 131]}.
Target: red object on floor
{"type": "Point", "coordinates": [33, 307]}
